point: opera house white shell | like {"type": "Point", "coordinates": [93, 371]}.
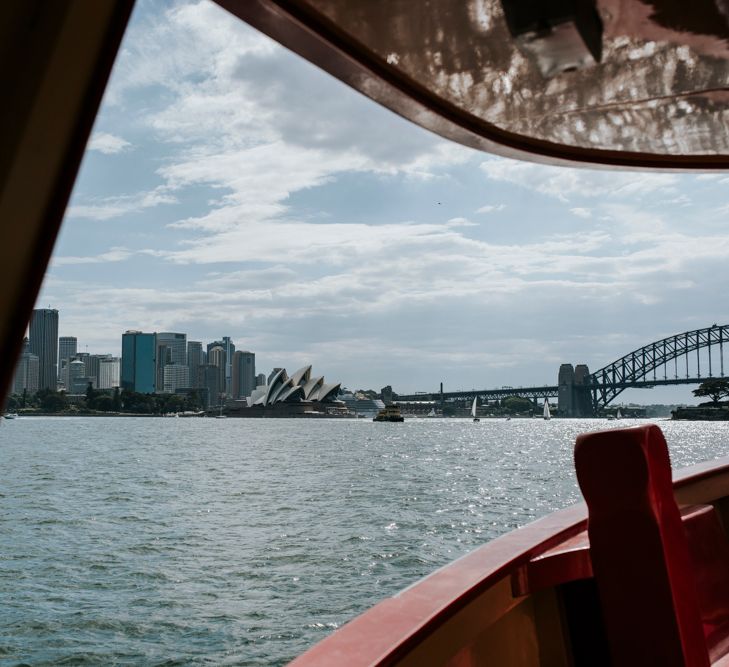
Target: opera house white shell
{"type": "Point", "coordinates": [299, 387]}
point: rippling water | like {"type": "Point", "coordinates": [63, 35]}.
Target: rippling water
{"type": "Point", "coordinates": [243, 542]}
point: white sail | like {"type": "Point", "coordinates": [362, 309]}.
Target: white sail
{"type": "Point", "coordinates": [547, 414]}
{"type": "Point", "coordinates": [618, 414]}
{"type": "Point", "coordinates": [473, 407]}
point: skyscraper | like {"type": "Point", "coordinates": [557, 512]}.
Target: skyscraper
{"type": "Point", "coordinates": [171, 349]}
{"type": "Point", "coordinates": [26, 372]}
{"type": "Point", "coordinates": [108, 373]}
{"type": "Point", "coordinates": [44, 344]}
{"type": "Point", "coordinates": [194, 360]}
{"type": "Point", "coordinates": [177, 376]}
{"type": "Point", "coordinates": [229, 347]}
{"type": "Point", "coordinates": [139, 367]}
{"type": "Point", "coordinates": [244, 374]}
{"type": "Point", "coordinates": [67, 347]}
{"type": "Point", "coordinates": [217, 358]}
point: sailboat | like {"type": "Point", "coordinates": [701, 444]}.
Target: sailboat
{"type": "Point", "coordinates": [473, 409]}
{"type": "Point", "coordinates": [547, 414]}
{"type": "Point", "coordinates": [618, 414]}
{"type": "Point", "coordinates": [431, 413]}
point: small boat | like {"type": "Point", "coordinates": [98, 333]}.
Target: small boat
{"type": "Point", "coordinates": [10, 415]}
{"type": "Point", "coordinates": [431, 413]}
{"type": "Point", "coordinates": [618, 414]}
{"type": "Point", "coordinates": [547, 414]}
{"type": "Point", "coordinates": [390, 413]}
{"type": "Point", "coordinates": [473, 409]}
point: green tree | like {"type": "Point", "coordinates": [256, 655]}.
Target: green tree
{"type": "Point", "coordinates": [91, 394]}
{"type": "Point", "coordinates": [103, 403]}
{"type": "Point", "coordinates": [716, 389]}
{"type": "Point", "coordinates": [117, 400]}
{"type": "Point", "coordinates": [52, 401]}
{"type": "Point", "coordinates": [515, 404]}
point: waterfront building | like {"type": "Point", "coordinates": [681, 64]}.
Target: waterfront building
{"type": "Point", "coordinates": [209, 385]}
{"type": "Point", "coordinates": [260, 379]}
{"type": "Point", "coordinates": [244, 374]}
{"type": "Point", "coordinates": [76, 380]}
{"type": "Point", "coordinates": [301, 386]}
{"type": "Point", "coordinates": [176, 376]}
{"type": "Point", "coordinates": [195, 359]}
{"type": "Point", "coordinates": [67, 349]}
{"type": "Point", "coordinates": [26, 372]}
{"type": "Point", "coordinates": [93, 364]}
{"type": "Point", "coordinates": [227, 344]}
{"type": "Point", "coordinates": [217, 358]}
{"type": "Point", "coordinates": [139, 362]}
{"type": "Point", "coordinates": [43, 343]}
{"type": "Point", "coordinates": [171, 349]}
{"type": "Point", "coordinates": [109, 369]}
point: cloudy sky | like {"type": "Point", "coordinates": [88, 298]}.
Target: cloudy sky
{"type": "Point", "coordinates": [230, 188]}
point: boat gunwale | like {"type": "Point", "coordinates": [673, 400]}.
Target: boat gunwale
{"type": "Point", "coordinates": [388, 631]}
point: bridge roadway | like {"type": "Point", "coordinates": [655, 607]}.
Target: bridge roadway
{"type": "Point", "coordinates": [536, 393]}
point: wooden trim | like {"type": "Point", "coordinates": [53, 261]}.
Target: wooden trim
{"type": "Point", "coordinates": [389, 631]}
{"type": "Point", "coordinates": [296, 25]}
{"type": "Point", "coordinates": [58, 57]}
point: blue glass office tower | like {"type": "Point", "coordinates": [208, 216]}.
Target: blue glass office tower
{"type": "Point", "coordinates": [139, 362]}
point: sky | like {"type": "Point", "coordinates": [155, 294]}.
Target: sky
{"type": "Point", "coordinates": [232, 188]}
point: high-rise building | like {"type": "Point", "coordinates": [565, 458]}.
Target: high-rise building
{"type": "Point", "coordinates": [244, 374]}
{"type": "Point", "coordinates": [171, 349]}
{"type": "Point", "coordinates": [44, 344]}
{"type": "Point", "coordinates": [26, 372]}
{"type": "Point", "coordinates": [209, 385]}
{"type": "Point", "coordinates": [229, 347]}
{"type": "Point", "coordinates": [195, 359]}
{"type": "Point", "coordinates": [217, 358]}
{"type": "Point", "coordinates": [108, 377]}
{"type": "Point", "coordinates": [77, 380]}
{"type": "Point", "coordinates": [138, 364]}
{"type": "Point", "coordinates": [93, 367]}
{"type": "Point", "coordinates": [177, 376]}
{"type": "Point", "coordinates": [67, 349]}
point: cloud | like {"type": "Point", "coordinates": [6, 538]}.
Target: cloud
{"type": "Point", "coordinates": [117, 254]}
{"type": "Point", "coordinates": [106, 143]}
{"type": "Point", "coordinates": [565, 183]}
{"type": "Point", "coordinates": [114, 207]}
{"type": "Point", "coordinates": [581, 212]}
{"type": "Point", "coordinates": [491, 208]}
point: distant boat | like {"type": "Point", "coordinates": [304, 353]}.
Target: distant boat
{"type": "Point", "coordinates": [390, 413]}
{"type": "Point", "coordinates": [11, 415]}
{"type": "Point", "coordinates": [431, 413]}
{"type": "Point", "coordinates": [618, 414]}
{"type": "Point", "coordinates": [547, 414]}
{"type": "Point", "coordinates": [473, 409]}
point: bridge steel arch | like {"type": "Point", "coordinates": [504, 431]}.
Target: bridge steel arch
{"type": "Point", "coordinates": [614, 378]}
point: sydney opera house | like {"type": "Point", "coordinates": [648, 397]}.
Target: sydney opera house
{"type": "Point", "coordinates": [297, 395]}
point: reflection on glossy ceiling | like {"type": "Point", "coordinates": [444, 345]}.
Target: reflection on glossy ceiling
{"type": "Point", "coordinates": [662, 85]}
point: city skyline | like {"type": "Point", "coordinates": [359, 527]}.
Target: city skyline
{"type": "Point", "coordinates": [230, 185]}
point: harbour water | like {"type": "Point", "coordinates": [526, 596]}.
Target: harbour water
{"type": "Point", "coordinates": [243, 542]}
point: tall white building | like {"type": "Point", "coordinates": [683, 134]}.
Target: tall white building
{"type": "Point", "coordinates": [109, 371]}
{"type": "Point", "coordinates": [176, 376]}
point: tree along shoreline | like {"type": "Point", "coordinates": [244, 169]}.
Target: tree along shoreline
{"type": "Point", "coordinates": [102, 402]}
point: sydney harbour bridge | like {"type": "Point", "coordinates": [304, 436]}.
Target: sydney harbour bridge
{"type": "Point", "coordinates": [690, 357]}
